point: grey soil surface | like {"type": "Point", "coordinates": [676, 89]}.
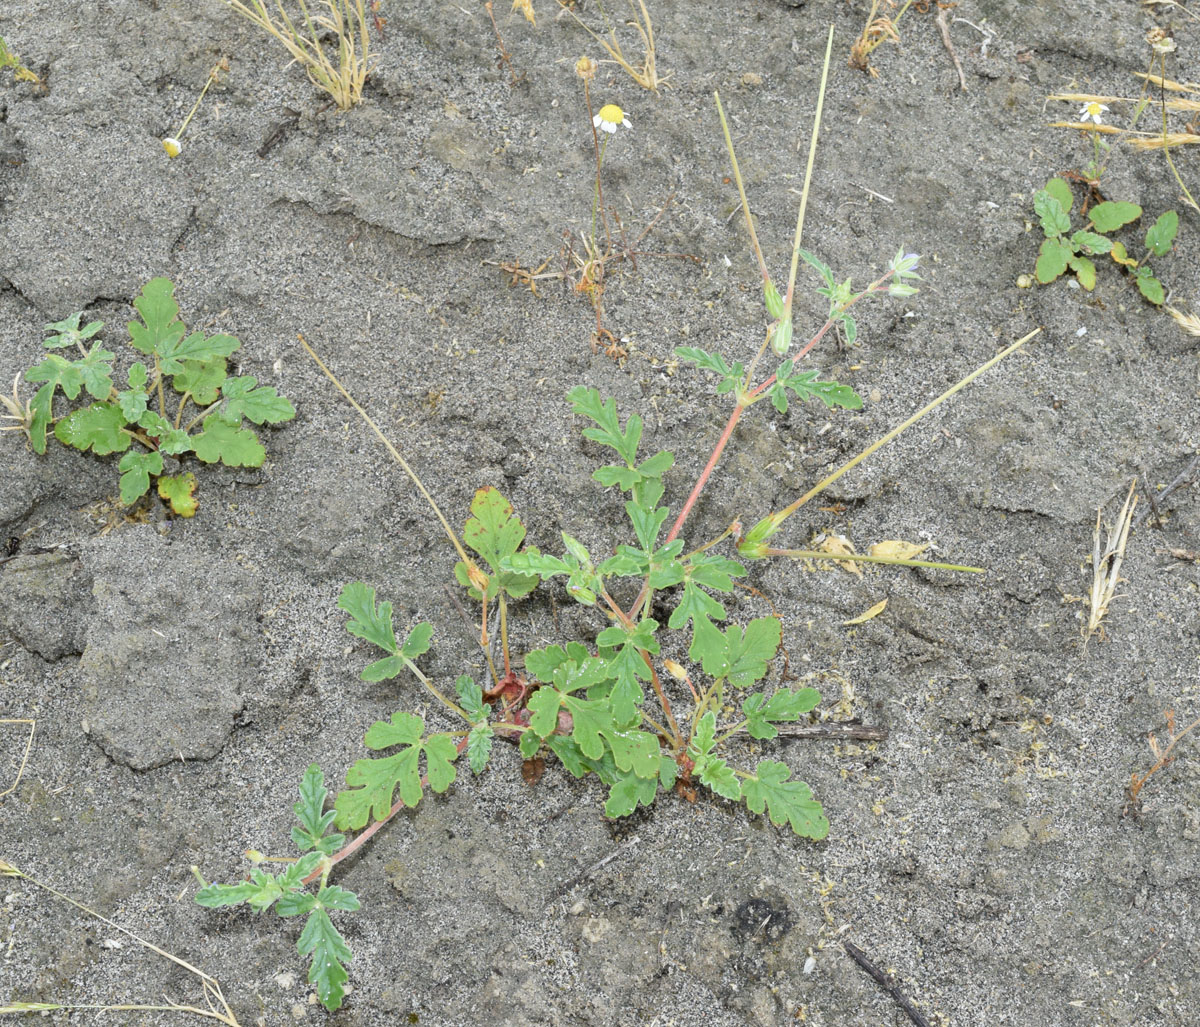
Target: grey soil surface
{"type": "Point", "coordinates": [183, 673]}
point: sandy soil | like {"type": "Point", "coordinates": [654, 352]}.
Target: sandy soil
{"type": "Point", "coordinates": [183, 673]}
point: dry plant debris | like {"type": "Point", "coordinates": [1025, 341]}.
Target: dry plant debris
{"type": "Point", "coordinates": [646, 75]}
{"type": "Point", "coordinates": [1106, 563]}
{"type": "Point", "coordinates": [342, 79]}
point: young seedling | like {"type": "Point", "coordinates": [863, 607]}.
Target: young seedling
{"type": "Point", "coordinates": [646, 75]}
{"type": "Point", "coordinates": [1064, 249]}
{"type": "Point", "coordinates": [1094, 112]}
{"type": "Point", "coordinates": [1106, 564]}
{"type": "Point", "coordinates": [137, 421]}
{"type": "Point", "coordinates": [614, 704]}
{"type": "Point", "coordinates": [285, 891]}
{"type": "Point", "coordinates": [342, 77]}
{"type": "Point", "coordinates": [11, 62]}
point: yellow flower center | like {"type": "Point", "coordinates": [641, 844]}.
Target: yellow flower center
{"type": "Point", "coordinates": [612, 114]}
{"type": "Point", "coordinates": [1094, 110]}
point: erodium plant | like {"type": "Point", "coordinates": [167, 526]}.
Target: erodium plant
{"type": "Point", "coordinates": [614, 703]}
{"type": "Point", "coordinates": [150, 420]}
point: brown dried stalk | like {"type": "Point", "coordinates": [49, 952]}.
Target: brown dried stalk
{"type": "Point", "coordinates": [1106, 562]}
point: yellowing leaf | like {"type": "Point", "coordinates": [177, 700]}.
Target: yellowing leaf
{"type": "Point", "coordinates": [178, 490]}
{"type": "Point", "coordinates": [898, 549]}
{"type": "Point", "coordinates": [874, 611]}
{"type": "Point", "coordinates": [837, 545]}
{"type": "Point", "coordinates": [1119, 254]}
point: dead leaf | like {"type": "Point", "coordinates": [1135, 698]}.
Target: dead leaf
{"type": "Point", "coordinates": [874, 611]}
{"type": "Point", "coordinates": [837, 545]}
{"type": "Point", "coordinates": [898, 549]}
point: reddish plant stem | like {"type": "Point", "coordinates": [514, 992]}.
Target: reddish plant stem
{"type": "Point", "coordinates": [363, 837]}
{"type": "Point", "coordinates": [662, 698]}
{"type": "Point", "coordinates": [734, 417]}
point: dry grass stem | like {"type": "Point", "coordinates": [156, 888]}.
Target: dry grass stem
{"type": "Point", "coordinates": [645, 76]}
{"type": "Point", "coordinates": [215, 1007]}
{"type": "Point", "coordinates": [25, 758]}
{"type": "Point", "coordinates": [1106, 563]}
{"type": "Point", "coordinates": [1161, 141]}
{"type": "Point", "coordinates": [342, 79]}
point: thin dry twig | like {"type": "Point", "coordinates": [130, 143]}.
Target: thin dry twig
{"type": "Point", "coordinates": [1162, 754]}
{"type": "Point", "coordinates": [572, 883]}
{"type": "Point", "coordinates": [1184, 477]}
{"type": "Point", "coordinates": [887, 983]}
{"type": "Point", "coordinates": [1106, 562]}
{"type": "Point", "coordinates": [944, 27]}
{"type": "Point", "coordinates": [24, 759]}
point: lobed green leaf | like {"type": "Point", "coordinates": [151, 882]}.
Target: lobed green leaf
{"type": "Point", "coordinates": [136, 468]}
{"type": "Point", "coordinates": [1052, 260]}
{"type": "Point", "coordinates": [1055, 220]}
{"type": "Point", "coordinates": [314, 820]}
{"type": "Point", "coordinates": [744, 655]}
{"type": "Point", "coordinates": [1061, 191]}
{"type": "Point", "coordinates": [1161, 234]}
{"type": "Point", "coordinates": [69, 333]}
{"type": "Point", "coordinates": [202, 379]}
{"type": "Point", "coordinates": [329, 952]}
{"type": "Point", "coordinates": [231, 445]}
{"type": "Point", "coordinates": [99, 427]}
{"type": "Point", "coordinates": [366, 620]}
{"type": "Point", "coordinates": [785, 706]}
{"type": "Point", "coordinates": [244, 397]}
{"type": "Point", "coordinates": [178, 490]}
{"type": "Point", "coordinates": [786, 801]}
{"type": "Point", "coordinates": [161, 327]}
{"type": "Point", "coordinates": [587, 403]}
{"type": "Point", "coordinates": [730, 376]}
{"type": "Point", "coordinates": [495, 534]}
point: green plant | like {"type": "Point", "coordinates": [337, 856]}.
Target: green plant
{"type": "Point", "coordinates": [1063, 249]}
{"type": "Point", "coordinates": [9, 60]}
{"type": "Point", "coordinates": [136, 421]}
{"type": "Point", "coordinates": [343, 78]}
{"type": "Point", "coordinates": [600, 704]}
{"type": "Point", "coordinates": [286, 891]}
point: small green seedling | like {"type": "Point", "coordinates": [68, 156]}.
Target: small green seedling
{"type": "Point", "coordinates": [320, 939]}
{"type": "Point", "coordinates": [1063, 249]}
{"type": "Point", "coordinates": [136, 421]}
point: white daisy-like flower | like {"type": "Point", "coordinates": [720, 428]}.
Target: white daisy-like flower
{"type": "Point", "coordinates": [1092, 112]}
{"type": "Point", "coordinates": [172, 147]}
{"type": "Point", "coordinates": [610, 118]}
